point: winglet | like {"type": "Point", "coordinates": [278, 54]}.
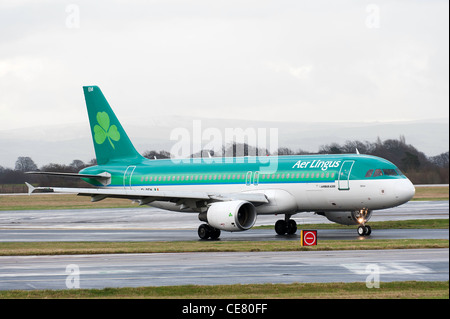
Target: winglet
{"type": "Point", "coordinates": [31, 188]}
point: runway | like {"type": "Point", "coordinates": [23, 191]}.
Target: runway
{"type": "Point", "coordinates": [154, 218]}
{"type": "Point", "coordinates": [122, 235]}
{"type": "Point", "coordinates": [149, 224]}
{"type": "Point", "coordinates": [135, 270]}
{"type": "Point", "coordinates": [152, 224]}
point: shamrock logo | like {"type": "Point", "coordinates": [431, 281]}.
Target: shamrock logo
{"type": "Point", "coordinates": [103, 130]}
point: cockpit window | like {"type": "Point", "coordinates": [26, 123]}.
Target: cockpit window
{"type": "Point", "coordinates": [390, 172]}
{"type": "Point", "coordinates": [377, 173]}
{"type": "Point", "coordinates": [399, 172]}
{"type": "Point", "coordinates": [369, 173]}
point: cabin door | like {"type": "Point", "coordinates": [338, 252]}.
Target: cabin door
{"type": "Point", "coordinates": [344, 175]}
{"type": "Point", "coordinates": [127, 177]}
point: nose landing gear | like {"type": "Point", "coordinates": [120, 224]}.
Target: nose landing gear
{"type": "Point", "coordinates": [364, 230]}
{"type": "Point", "coordinates": [361, 217]}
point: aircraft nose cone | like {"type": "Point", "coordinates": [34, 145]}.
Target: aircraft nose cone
{"type": "Point", "coordinates": [405, 191]}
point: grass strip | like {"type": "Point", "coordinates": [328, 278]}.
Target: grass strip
{"type": "Point", "coordinates": [432, 193]}
{"type": "Point", "coordinates": [358, 290]}
{"type": "Point", "coordinates": [58, 201]}
{"type": "Point", "coordinates": [77, 248]}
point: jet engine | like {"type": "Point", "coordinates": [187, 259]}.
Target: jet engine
{"type": "Point", "coordinates": [236, 215]}
{"type": "Point", "coordinates": [356, 217]}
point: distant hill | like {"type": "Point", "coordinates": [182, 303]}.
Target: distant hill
{"type": "Point", "coordinates": [63, 144]}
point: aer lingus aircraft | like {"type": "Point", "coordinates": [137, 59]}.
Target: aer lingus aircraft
{"type": "Point", "coordinates": [228, 194]}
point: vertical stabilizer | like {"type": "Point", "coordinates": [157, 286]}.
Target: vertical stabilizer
{"type": "Point", "coordinates": [111, 143]}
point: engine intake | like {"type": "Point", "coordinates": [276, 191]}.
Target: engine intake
{"type": "Point", "coordinates": [236, 215]}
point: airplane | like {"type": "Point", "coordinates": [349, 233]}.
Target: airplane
{"type": "Point", "coordinates": [229, 194]}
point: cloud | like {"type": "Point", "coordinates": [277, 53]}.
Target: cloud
{"type": "Point", "coordinates": [21, 68]}
{"type": "Point", "coordinates": [247, 59]}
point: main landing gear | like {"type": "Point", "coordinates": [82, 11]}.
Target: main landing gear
{"type": "Point", "coordinates": [205, 231]}
{"type": "Point", "coordinates": [287, 226]}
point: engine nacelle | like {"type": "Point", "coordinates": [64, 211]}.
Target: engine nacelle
{"type": "Point", "coordinates": [236, 215]}
{"type": "Point", "coordinates": [349, 217]}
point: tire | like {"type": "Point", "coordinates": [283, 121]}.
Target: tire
{"type": "Point", "coordinates": [280, 227]}
{"type": "Point", "coordinates": [361, 231]}
{"type": "Point", "coordinates": [291, 227]}
{"type": "Point", "coordinates": [215, 233]}
{"type": "Point", "coordinates": [204, 231]}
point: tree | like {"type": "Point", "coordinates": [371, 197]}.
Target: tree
{"type": "Point", "coordinates": [333, 148]}
{"type": "Point", "coordinates": [441, 160]}
{"type": "Point", "coordinates": [25, 164]}
{"type": "Point", "coordinates": [77, 164]}
{"type": "Point", "coordinates": [285, 151]}
{"type": "Point", "coordinates": [158, 155]}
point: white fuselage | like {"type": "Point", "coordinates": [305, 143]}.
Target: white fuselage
{"type": "Point", "coordinates": [303, 197]}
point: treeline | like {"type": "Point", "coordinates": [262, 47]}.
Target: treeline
{"type": "Point", "coordinates": [419, 168]}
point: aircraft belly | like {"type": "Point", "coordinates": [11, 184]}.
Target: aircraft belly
{"type": "Point", "coordinates": [171, 206]}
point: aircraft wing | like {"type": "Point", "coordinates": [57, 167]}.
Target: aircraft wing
{"type": "Point", "coordinates": [185, 199]}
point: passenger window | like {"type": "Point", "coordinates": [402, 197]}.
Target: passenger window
{"type": "Point", "coordinates": [369, 173]}
{"type": "Point", "coordinates": [377, 173]}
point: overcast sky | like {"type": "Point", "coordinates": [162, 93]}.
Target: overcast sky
{"type": "Point", "coordinates": [263, 60]}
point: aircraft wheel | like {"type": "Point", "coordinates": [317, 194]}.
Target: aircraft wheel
{"type": "Point", "coordinates": [291, 227]}
{"type": "Point", "coordinates": [361, 230]}
{"type": "Point", "coordinates": [280, 227]}
{"type": "Point", "coordinates": [204, 231]}
{"type": "Point", "coordinates": [364, 230]}
{"type": "Point", "coordinates": [215, 233]}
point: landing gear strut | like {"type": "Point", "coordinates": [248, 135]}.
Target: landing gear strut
{"type": "Point", "coordinates": [362, 216]}
{"type": "Point", "coordinates": [205, 231]}
{"type": "Point", "coordinates": [286, 226]}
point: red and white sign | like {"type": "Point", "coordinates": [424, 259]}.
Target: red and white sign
{"type": "Point", "coordinates": [308, 237]}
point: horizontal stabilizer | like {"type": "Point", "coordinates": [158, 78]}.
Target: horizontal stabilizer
{"type": "Point", "coordinates": [104, 178]}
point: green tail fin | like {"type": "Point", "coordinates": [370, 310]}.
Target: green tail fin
{"type": "Point", "coordinates": [111, 143]}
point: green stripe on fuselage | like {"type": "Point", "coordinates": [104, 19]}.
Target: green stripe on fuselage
{"type": "Point", "coordinates": [270, 169]}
